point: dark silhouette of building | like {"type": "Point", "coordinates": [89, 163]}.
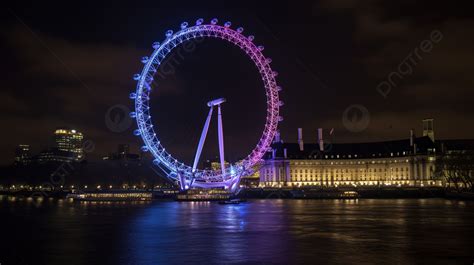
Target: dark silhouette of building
{"type": "Point", "coordinates": [22, 155]}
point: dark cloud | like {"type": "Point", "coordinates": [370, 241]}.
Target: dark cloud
{"type": "Point", "coordinates": [57, 82]}
{"type": "Point", "coordinates": [69, 68]}
{"type": "Point", "coordinates": [439, 84]}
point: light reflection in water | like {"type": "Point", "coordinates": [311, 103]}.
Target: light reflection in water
{"type": "Point", "coordinates": [222, 233]}
{"type": "Point", "coordinates": [260, 231]}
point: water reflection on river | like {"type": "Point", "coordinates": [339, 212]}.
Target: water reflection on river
{"type": "Point", "coordinates": [402, 231]}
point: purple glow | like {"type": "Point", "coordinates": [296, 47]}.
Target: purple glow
{"type": "Point", "coordinates": [175, 169]}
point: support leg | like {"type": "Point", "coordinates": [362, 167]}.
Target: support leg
{"type": "Point", "coordinates": [182, 182]}
{"type": "Point", "coordinates": [221, 139]}
{"type": "Point", "coordinates": [202, 140]}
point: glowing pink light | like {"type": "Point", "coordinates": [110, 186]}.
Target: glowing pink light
{"type": "Point", "coordinates": [174, 168]}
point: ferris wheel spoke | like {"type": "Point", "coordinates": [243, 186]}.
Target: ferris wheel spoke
{"type": "Point", "coordinates": [191, 176]}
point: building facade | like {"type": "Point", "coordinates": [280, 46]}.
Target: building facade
{"type": "Point", "coordinates": [22, 155]}
{"type": "Point", "coordinates": [409, 162]}
{"type": "Point", "coordinates": [69, 141]}
{"type": "Point", "coordinates": [67, 147]}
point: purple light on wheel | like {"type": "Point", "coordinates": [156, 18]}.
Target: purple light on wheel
{"type": "Point", "coordinates": [171, 166]}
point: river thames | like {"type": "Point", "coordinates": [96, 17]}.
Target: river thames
{"type": "Point", "coordinates": [364, 231]}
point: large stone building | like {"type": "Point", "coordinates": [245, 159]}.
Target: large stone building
{"type": "Point", "coordinates": [408, 162]}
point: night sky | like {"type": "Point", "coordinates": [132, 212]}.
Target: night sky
{"type": "Point", "coordinates": [68, 65]}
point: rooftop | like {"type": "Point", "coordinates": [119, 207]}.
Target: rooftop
{"type": "Point", "coordinates": [394, 148]}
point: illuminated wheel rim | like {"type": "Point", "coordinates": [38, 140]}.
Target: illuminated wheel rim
{"type": "Point", "coordinates": [170, 165]}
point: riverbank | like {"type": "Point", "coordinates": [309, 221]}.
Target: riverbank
{"type": "Point", "coordinates": [279, 193]}
{"type": "Point", "coordinates": [336, 193]}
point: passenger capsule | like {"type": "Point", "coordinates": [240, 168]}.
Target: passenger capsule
{"type": "Point", "coordinates": [251, 37]}
{"type": "Point", "coordinates": [144, 59]}
{"type": "Point", "coordinates": [149, 79]}
{"type": "Point", "coordinates": [199, 21]}
{"type": "Point", "coordinates": [184, 25]}
{"type": "Point", "coordinates": [133, 95]}
{"type": "Point", "coordinates": [275, 73]}
{"type": "Point", "coordinates": [169, 33]}
{"type": "Point", "coordinates": [280, 118]}
{"type": "Point", "coordinates": [136, 77]}
{"type": "Point", "coordinates": [281, 103]}
{"type": "Point", "coordinates": [240, 29]}
{"type": "Point", "coordinates": [214, 21]}
{"type": "Point", "coordinates": [261, 48]}
{"type": "Point", "coordinates": [148, 87]}
{"type": "Point", "coordinates": [156, 45]}
{"type": "Point", "coordinates": [278, 88]}
{"type": "Point", "coordinates": [156, 162]}
{"type": "Point", "coordinates": [136, 132]}
{"type": "Point", "coordinates": [133, 114]}
{"type": "Point", "coordinates": [144, 148]}
{"type": "Point", "coordinates": [268, 60]}
{"type": "Point", "coordinates": [227, 24]}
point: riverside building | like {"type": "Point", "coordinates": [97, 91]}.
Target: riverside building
{"type": "Point", "coordinates": [67, 147]}
{"type": "Point", "coordinates": [407, 162]}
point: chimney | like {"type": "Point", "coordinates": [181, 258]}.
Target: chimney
{"type": "Point", "coordinates": [428, 129]}
{"type": "Point", "coordinates": [413, 140]}
{"type": "Point", "coordinates": [320, 139]}
{"type": "Point", "coordinates": [300, 139]}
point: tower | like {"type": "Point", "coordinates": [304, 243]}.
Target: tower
{"type": "Point", "coordinates": [22, 154]}
{"type": "Point", "coordinates": [70, 141]}
{"type": "Point", "coordinates": [428, 129]}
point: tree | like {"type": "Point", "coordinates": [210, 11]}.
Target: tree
{"type": "Point", "coordinates": [457, 169]}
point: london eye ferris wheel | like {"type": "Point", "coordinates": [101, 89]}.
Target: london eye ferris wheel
{"type": "Point", "coordinates": [186, 175]}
